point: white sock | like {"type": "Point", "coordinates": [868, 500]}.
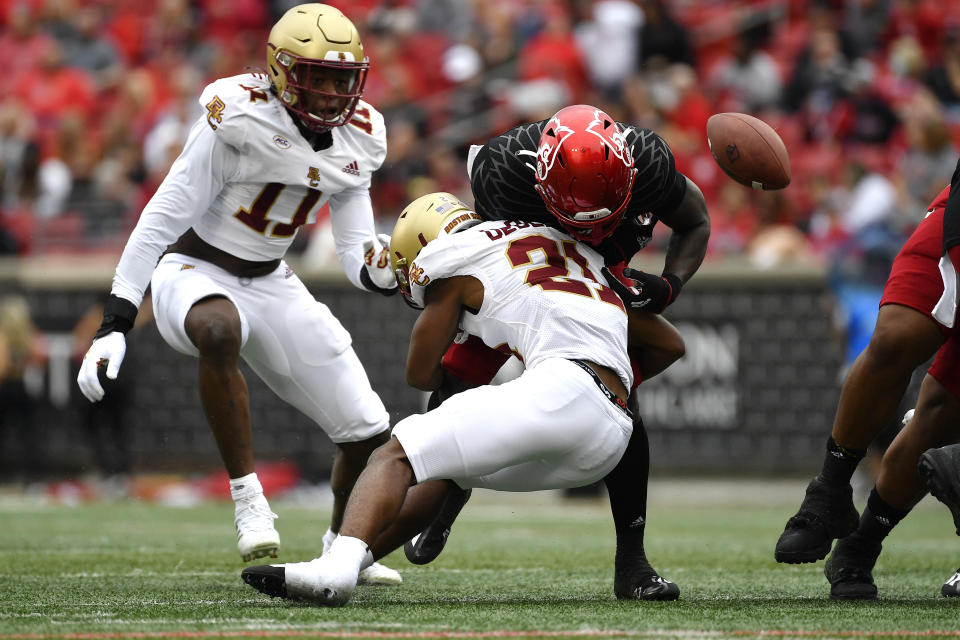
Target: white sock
{"type": "Point", "coordinates": [367, 560]}
{"type": "Point", "coordinates": [245, 487]}
{"type": "Point", "coordinates": [351, 551]}
{"type": "Point", "coordinates": [328, 539]}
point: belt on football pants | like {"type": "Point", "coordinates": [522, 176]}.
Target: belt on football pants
{"type": "Point", "coordinates": [611, 396]}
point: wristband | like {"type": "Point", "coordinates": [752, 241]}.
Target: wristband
{"type": "Point", "coordinates": [675, 285]}
{"type": "Point", "coordinates": [118, 315]}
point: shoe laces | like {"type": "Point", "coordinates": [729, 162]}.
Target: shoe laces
{"type": "Point", "coordinates": [254, 515]}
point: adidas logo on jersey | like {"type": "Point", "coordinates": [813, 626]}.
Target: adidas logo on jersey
{"type": "Point", "coordinates": [352, 168]}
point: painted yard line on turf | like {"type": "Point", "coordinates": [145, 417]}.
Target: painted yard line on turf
{"type": "Point", "coordinates": [661, 633]}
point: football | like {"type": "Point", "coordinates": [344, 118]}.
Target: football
{"type": "Point", "coordinates": [748, 150]}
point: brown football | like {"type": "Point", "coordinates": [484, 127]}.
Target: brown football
{"type": "Point", "coordinates": [749, 150]}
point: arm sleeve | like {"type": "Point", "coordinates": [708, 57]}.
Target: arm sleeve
{"type": "Point", "coordinates": [351, 218]}
{"type": "Point", "coordinates": [194, 180]}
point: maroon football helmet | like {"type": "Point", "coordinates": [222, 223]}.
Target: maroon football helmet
{"type": "Point", "coordinates": [585, 171]}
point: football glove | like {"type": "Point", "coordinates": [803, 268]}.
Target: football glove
{"type": "Point", "coordinates": [108, 348]}
{"type": "Point", "coordinates": [649, 292]}
{"type": "Point", "coordinates": [376, 273]}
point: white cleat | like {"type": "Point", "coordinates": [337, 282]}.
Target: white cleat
{"type": "Point", "coordinates": [256, 535]}
{"type": "Point", "coordinates": [380, 574]}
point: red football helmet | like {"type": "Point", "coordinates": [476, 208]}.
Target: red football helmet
{"type": "Point", "coordinates": [585, 171]}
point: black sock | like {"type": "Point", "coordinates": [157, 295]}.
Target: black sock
{"type": "Point", "coordinates": [878, 519]}
{"type": "Point", "coordinates": [840, 463]}
{"type": "Point", "coordinates": [627, 490]}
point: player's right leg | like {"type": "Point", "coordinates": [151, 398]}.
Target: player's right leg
{"type": "Point", "coordinates": [903, 339]}
{"type": "Point", "coordinates": [198, 314]}
{"type": "Point", "coordinates": [634, 577]}
{"type": "Point", "coordinates": [305, 356]}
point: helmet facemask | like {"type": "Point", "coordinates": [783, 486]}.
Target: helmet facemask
{"type": "Point", "coordinates": [321, 94]}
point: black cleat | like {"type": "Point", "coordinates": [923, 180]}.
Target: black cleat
{"type": "Point", "coordinates": [850, 570]}
{"type": "Point", "coordinates": [267, 578]}
{"type": "Point", "coordinates": [826, 513]}
{"type": "Point", "coordinates": [951, 588]}
{"type": "Point", "coordinates": [940, 471]}
{"type": "Point", "coordinates": [647, 587]}
{"type": "Point", "coordinates": [426, 546]}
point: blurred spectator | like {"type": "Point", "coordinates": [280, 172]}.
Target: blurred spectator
{"type": "Point", "coordinates": [80, 35]}
{"type": "Point", "coordinates": [496, 37]}
{"type": "Point", "coordinates": [663, 40]}
{"type": "Point", "coordinates": [749, 79]}
{"type": "Point", "coordinates": [776, 240]}
{"type": "Point", "coordinates": [868, 118]}
{"type": "Point", "coordinates": [54, 89]}
{"type": "Point", "coordinates": [163, 142]}
{"type": "Point", "coordinates": [553, 55]}
{"type": "Point", "coordinates": [930, 158]}
{"type": "Point", "coordinates": [611, 26]}
{"type": "Point", "coordinates": [21, 39]}
{"type": "Point", "coordinates": [821, 78]}
{"type": "Point", "coordinates": [866, 22]}
{"type": "Point", "coordinates": [21, 351]}
{"type": "Point", "coordinates": [943, 77]}
{"type": "Point", "coordinates": [106, 423]}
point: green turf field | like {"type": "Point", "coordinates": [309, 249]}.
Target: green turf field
{"type": "Point", "coordinates": [528, 567]}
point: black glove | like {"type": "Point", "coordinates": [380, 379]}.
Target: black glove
{"type": "Point", "coordinates": [649, 292]}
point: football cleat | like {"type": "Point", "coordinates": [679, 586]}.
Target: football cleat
{"type": "Point", "coordinates": [826, 513]}
{"type": "Point", "coordinates": [648, 587]}
{"type": "Point", "coordinates": [951, 588]}
{"type": "Point", "coordinates": [267, 578]}
{"type": "Point", "coordinates": [426, 546]}
{"type": "Point", "coordinates": [939, 469]}
{"type": "Point", "coordinates": [256, 535]}
{"type": "Point", "coordinates": [849, 569]}
{"type": "Point", "coordinates": [321, 581]}
{"type": "Point", "coordinates": [379, 574]}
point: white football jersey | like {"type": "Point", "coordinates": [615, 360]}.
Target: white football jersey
{"type": "Point", "coordinates": [543, 293]}
{"type": "Point", "coordinates": [247, 180]}
{"type": "Point", "coordinates": [281, 181]}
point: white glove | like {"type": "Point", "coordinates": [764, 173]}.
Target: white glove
{"type": "Point", "coordinates": [109, 349]}
{"type": "Point", "coordinates": [376, 257]}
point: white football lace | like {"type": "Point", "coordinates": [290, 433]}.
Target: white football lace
{"type": "Point", "coordinates": [255, 516]}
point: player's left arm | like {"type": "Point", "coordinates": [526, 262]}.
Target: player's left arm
{"type": "Point", "coordinates": [364, 256]}
{"type": "Point", "coordinates": [689, 224]}
{"type": "Point", "coordinates": [434, 331]}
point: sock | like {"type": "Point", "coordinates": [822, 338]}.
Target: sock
{"type": "Point", "coordinates": [627, 490]}
{"type": "Point", "coordinates": [328, 539]}
{"type": "Point", "coordinates": [878, 519]}
{"type": "Point", "coordinates": [367, 560]}
{"type": "Point", "coordinates": [839, 463]}
{"type": "Point", "coordinates": [350, 550]}
{"type": "Point", "coordinates": [245, 487]}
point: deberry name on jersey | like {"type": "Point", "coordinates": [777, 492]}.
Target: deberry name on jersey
{"type": "Point", "coordinates": [281, 181]}
{"type": "Point", "coordinates": [543, 294]}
